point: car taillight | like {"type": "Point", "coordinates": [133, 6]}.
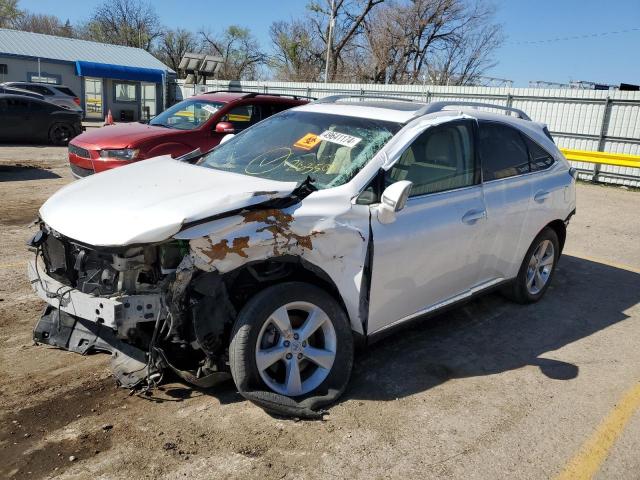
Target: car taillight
{"type": "Point", "coordinates": [76, 100]}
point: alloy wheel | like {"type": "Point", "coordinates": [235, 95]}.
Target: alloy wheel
{"type": "Point", "coordinates": [540, 267]}
{"type": "Point", "coordinates": [296, 349]}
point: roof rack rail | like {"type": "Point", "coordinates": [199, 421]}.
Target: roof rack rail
{"type": "Point", "coordinates": [255, 94]}
{"type": "Point", "coordinates": [439, 106]}
{"type": "Point", "coordinates": [335, 98]}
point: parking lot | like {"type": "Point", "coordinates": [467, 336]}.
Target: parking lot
{"type": "Point", "coordinates": [489, 390]}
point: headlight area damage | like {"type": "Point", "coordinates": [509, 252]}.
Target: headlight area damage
{"type": "Point", "coordinates": [172, 305]}
{"type": "Point", "coordinates": [130, 303]}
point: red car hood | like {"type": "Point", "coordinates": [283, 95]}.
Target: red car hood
{"type": "Point", "coordinates": [121, 135]}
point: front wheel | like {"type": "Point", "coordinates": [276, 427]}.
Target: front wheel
{"type": "Point", "coordinates": [294, 340]}
{"type": "Point", "coordinates": [537, 268]}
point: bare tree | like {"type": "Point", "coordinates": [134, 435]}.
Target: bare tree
{"type": "Point", "coordinates": [406, 41]}
{"type": "Point", "coordinates": [9, 13]}
{"type": "Point", "coordinates": [173, 44]}
{"type": "Point", "coordinates": [133, 23]}
{"type": "Point", "coordinates": [465, 58]}
{"type": "Point", "coordinates": [240, 51]}
{"type": "Point", "coordinates": [349, 17]}
{"type": "Point", "coordinates": [41, 23]}
{"type": "Point", "coordinates": [295, 56]}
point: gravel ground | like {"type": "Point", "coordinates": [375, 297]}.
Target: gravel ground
{"type": "Point", "coordinates": [490, 390]}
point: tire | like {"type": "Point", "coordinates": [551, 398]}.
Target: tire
{"type": "Point", "coordinates": [525, 288]}
{"type": "Point", "coordinates": [61, 133]}
{"type": "Point", "coordinates": [261, 334]}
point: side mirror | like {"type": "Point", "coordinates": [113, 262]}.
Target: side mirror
{"type": "Point", "coordinates": [226, 138]}
{"type": "Point", "coordinates": [225, 127]}
{"type": "Point", "coordinates": [394, 199]}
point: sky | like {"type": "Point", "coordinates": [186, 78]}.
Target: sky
{"type": "Point", "coordinates": [533, 49]}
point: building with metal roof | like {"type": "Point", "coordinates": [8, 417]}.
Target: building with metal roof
{"type": "Point", "coordinates": [126, 80]}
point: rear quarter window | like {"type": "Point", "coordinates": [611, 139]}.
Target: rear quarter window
{"type": "Point", "coordinates": [540, 158]}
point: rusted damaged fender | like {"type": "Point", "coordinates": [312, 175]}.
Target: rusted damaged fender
{"type": "Point", "coordinates": [336, 243]}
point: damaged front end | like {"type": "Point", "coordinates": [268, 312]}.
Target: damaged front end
{"type": "Point", "coordinates": [146, 305]}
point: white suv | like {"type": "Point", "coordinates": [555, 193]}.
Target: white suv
{"type": "Point", "coordinates": [318, 227]}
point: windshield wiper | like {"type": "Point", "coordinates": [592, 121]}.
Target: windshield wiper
{"type": "Point", "coordinates": [160, 125]}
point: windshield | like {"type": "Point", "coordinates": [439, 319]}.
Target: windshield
{"type": "Point", "coordinates": [187, 115]}
{"type": "Point", "coordinates": [294, 145]}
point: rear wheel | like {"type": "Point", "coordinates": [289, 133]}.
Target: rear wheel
{"type": "Point", "coordinates": [537, 268]}
{"type": "Point", "coordinates": [61, 133]}
{"type": "Point", "coordinates": [295, 340]}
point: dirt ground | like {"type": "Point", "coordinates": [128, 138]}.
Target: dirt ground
{"type": "Point", "coordinates": [490, 390]}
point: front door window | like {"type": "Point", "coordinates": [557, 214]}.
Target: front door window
{"type": "Point", "coordinates": [429, 255]}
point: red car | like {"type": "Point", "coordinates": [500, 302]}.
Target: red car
{"type": "Point", "coordinates": [197, 122]}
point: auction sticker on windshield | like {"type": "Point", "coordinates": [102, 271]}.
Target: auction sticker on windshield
{"type": "Point", "coordinates": [339, 138]}
{"type": "Point", "coordinates": [307, 142]}
{"type": "Point", "coordinates": [209, 108]}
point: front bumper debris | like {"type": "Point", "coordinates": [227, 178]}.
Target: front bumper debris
{"type": "Point", "coordinates": [57, 328]}
{"type": "Point", "coordinates": [84, 323]}
{"type": "Point", "coordinates": [118, 313]}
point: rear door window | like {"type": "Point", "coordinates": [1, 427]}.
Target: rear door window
{"type": "Point", "coordinates": [503, 152]}
{"type": "Point", "coordinates": [36, 106]}
{"type": "Point", "coordinates": [66, 91]}
{"type": "Point", "coordinates": [242, 116]}
{"type": "Point", "coordinates": [269, 109]}
{"type": "Point", "coordinates": [39, 89]}
{"type": "Point", "coordinates": [17, 105]}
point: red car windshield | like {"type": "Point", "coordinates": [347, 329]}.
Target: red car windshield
{"type": "Point", "coordinates": [187, 115]}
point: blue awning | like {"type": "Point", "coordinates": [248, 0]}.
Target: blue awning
{"type": "Point", "coordinates": [120, 72]}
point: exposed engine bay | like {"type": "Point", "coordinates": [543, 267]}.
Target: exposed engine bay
{"type": "Point", "coordinates": [153, 310]}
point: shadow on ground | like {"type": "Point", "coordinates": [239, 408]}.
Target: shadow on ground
{"type": "Point", "coordinates": [491, 335]}
{"type": "Point", "coordinates": [486, 336]}
{"type": "Point", "coordinates": [17, 173]}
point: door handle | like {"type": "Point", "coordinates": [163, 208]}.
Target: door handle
{"type": "Point", "coordinates": [541, 196]}
{"type": "Point", "coordinates": [472, 216]}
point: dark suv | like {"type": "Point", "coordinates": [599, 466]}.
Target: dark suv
{"type": "Point", "coordinates": [23, 118]}
{"type": "Point", "coordinates": [197, 122]}
{"type": "Point", "coordinates": [57, 94]}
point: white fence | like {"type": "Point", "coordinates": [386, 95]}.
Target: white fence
{"type": "Point", "coordinates": [606, 121]}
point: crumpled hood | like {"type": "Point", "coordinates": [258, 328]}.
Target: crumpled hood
{"type": "Point", "coordinates": [149, 201]}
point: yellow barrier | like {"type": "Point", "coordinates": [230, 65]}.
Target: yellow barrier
{"type": "Point", "coordinates": [617, 159]}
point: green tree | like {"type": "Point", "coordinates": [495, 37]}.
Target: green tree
{"type": "Point", "coordinates": [9, 13]}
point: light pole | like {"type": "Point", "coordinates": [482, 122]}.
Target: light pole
{"type": "Point", "coordinates": [331, 21]}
